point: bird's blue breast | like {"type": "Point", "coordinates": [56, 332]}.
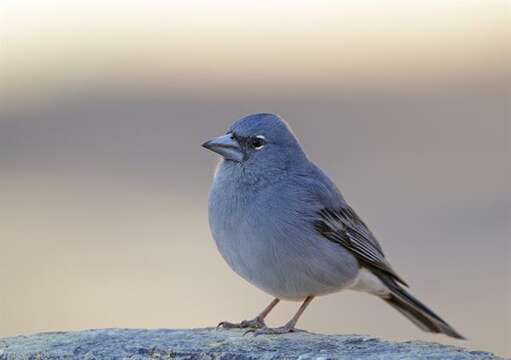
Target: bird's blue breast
{"type": "Point", "coordinates": [266, 235]}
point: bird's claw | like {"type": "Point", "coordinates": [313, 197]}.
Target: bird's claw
{"type": "Point", "coordinates": [222, 324]}
{"type": "Point", "coordinates": [249, 331]}
{"type": "Point", "coordinates": [273, 331]}
{"type": "Point", "coordinates": [245, 324]}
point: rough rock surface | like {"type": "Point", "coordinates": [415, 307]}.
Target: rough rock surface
{"type": "Point", "coordinates": [218, 344]}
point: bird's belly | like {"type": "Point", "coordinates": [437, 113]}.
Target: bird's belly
{"type": "Point", "coordinates": [285, 269]}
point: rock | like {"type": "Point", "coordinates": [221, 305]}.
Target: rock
{"type": "Point", "coordinates": [218, 344]}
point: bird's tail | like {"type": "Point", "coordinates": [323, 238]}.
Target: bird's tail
{"type": "Point", "coordinates": [414, 310]}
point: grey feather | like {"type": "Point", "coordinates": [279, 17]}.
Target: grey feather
{"type": "Point", "coordinates": [344, 227]}
{"type": "Point", "coordinates": [414, 310]}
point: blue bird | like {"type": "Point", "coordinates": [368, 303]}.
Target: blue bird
{"type": "Point", "coordinates": [281, 224]}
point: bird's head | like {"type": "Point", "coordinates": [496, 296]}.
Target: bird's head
{"type": "Point", "coordinates": [258, 140]}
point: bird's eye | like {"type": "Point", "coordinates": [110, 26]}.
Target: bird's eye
{"type": "Point", "coordinates": [258, 142]}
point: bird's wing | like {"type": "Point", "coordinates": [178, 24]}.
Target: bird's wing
{"type": "Point", "coordinates": [343, 226]}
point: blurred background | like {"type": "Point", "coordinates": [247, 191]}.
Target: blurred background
{"type": "Point", "coordinates": [104, 105]}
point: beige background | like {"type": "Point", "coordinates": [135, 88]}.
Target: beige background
{"type": "Point", "coordinates": [104, 184]}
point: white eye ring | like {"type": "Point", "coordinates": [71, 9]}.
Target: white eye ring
{"type": "Point", "coordinates": [260, 137]}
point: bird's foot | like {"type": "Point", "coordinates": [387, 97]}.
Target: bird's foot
{"type": "Point", "coordinates": [286, 329]}
{"type": "Point", "coordinates": [256, 323]}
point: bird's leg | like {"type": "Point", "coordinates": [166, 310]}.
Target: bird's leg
{"type": "Point", "coordinates": [286, 329]}
{"type": "Point", "coordinates": [256, 323]}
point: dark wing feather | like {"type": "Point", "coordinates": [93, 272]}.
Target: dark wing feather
{"type": "Point", "coordinates": [344, 227]}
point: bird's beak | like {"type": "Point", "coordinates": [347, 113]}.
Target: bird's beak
{"type": "Point", "coordinates": [227, 146]}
